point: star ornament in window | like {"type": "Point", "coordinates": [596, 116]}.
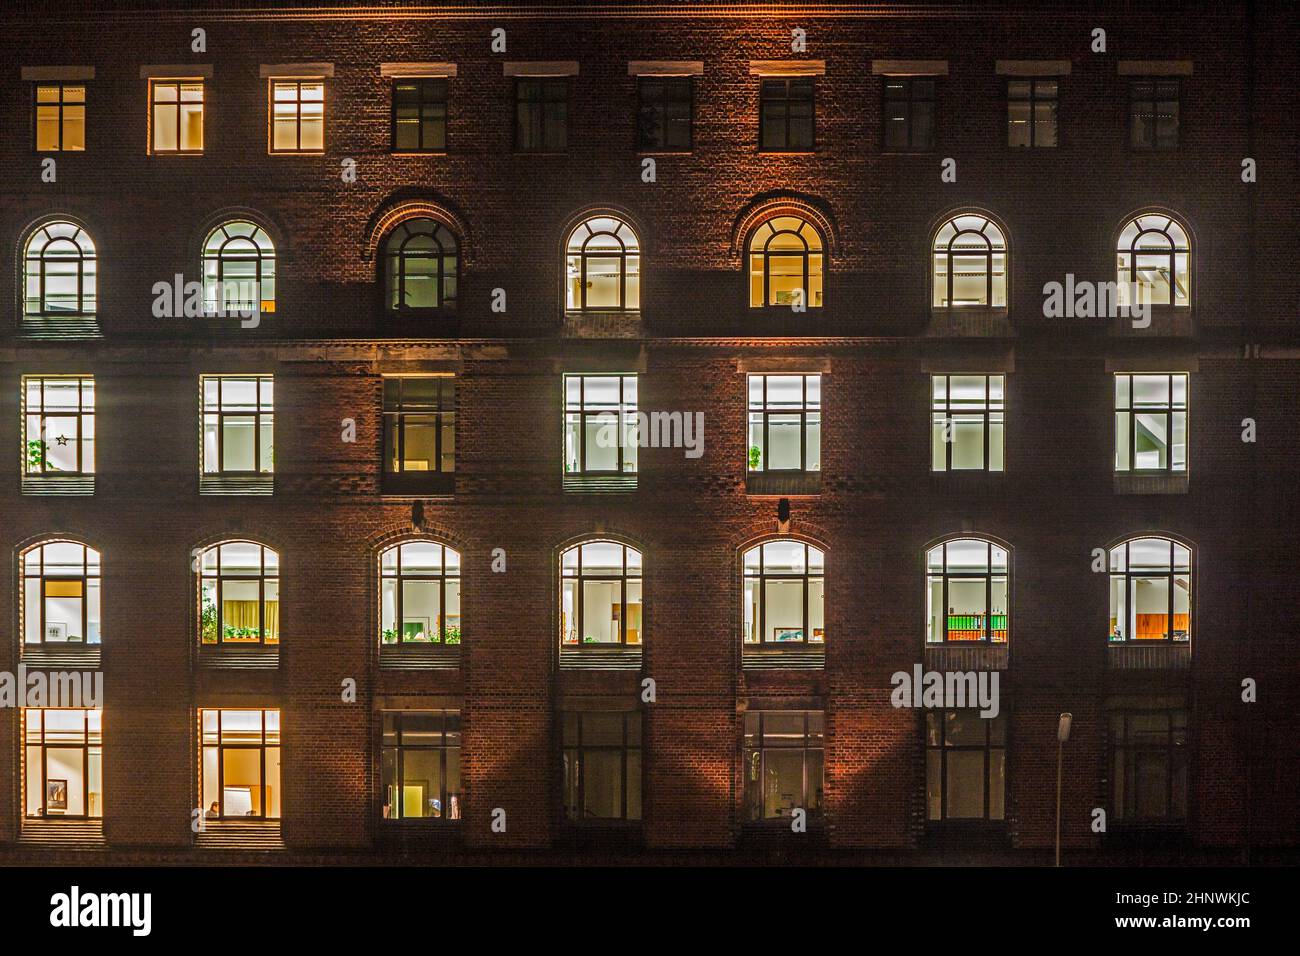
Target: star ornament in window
{"type": "Point", "coordinates": [61, 440]}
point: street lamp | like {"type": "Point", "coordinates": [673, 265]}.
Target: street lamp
{"type": "Point", "coordinates": [1062, 735]}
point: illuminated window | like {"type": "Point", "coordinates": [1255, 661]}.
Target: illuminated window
{"type": "Point", "coordinates": [240, 768]}
{"type": "Point", "coordinates": [419, 424]}
{"type": "Point", "coordinates": [785, 423]}
{"type": "Point", "coordinates": [59, 271]}
{"type": "Point", "coordinates": [786, 118]}
{"type": "Point", "coordinates": [421, 764]}
{"type": "Point", "coordinates": [603, 267]}
{"type": "Point", "coordinates": [600, 595]}
{"type": "Point", "coordinates": [239, 594]}
{"type": "Point", "coordinates": [1150, 591]}
{"type": "Point", "coordinates": [665, 105]}
{"type": "Point", "coordinates": [1148, 764]}
{"type": "Point", "coordinates": [60, 117]}
{"type": "Point", "coordinates": [1151, 423]}
{"type": "Point", "coordinates": [1153, 257]}
{"type": "Point", "coordinates": [784, 584]}
{"type": "Point", "coordinates": [786, 263]}
{"type": "Point", "coordinates": [600, 424]}
{"type": "Point", "coordinates": [909, 114]}
{"type": "Point", "coordinates": [298, 116]}
{"type": "Point", "coordinates": [602, 766]}
{"type": "Point", "coordinates": [58, 425]}
{"type": "Point", "coordinates": [966, 592]}
{"type": "Point", "coordinates": [61, 594]}
{"type": "Point", "coordinates": [238, 424]}
{"type": "Point", "coordinates": [1153, 113]}
{"type": "Point", "coordinates": [970, 264]}
{"type": "Point", "coordinates": [419, 594]}
{"type": "Point", "coordinates": [965, 765]}
{"type": "Point", "coordinates": [238, 269]}
{"type": "Point", "coordinates": [784, 757]}
{"type": "Point", "coordinates": [177, 116]}
{"type": "Point", "coordinates": [63, 763]}
{"type": "Point", "coordinates": [966, 422]}
{"type": "Point", "coordinates": [420, 261]}
{"type": "Point", "coordinates": [541, 114]}
{"type": "Point", "coordinates": [1031, 112]}
{"type": "Point", "coordinates": [420, 115]}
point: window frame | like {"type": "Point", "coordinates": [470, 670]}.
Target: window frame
{"type": "Point", "coordinates": [262, 578]}
{"type": "Point", "coordinates": [221, 747]}
{"type": "Point", "coordinates": [87, 270]}
{"type": "Point", "coordinates": [624, 413]}
{"type": "Point", "coordinates": [1127, 276]}
{"type": "Point", "coordinates": [764, 408]}
{"type": "Point", "coordinates": [214, 287]}
{"type": "Point", "coordinates": [441, 577]}
{"type": "Point", "coordinates": [451, 803]}
{"type": "Point", "coordinates": [443, 413]}
{"type": "Point", "coordinates": [1118, 753]}
{"type": "Point", "coordinates": [583, 255]}
{"type": "Point", "coordinates": [1033, 99]}
{"type": "Point", "coordinates": [762, 576]}
{"type": "Point", "coordinates": [768, 255]}
{"type": "Point", "coordinates": [579, 578]}
{"type": "Point", "coordinates": [395, 281]}
{"type": "Point", "coordinates": [988, 633]}
{"type": "Point", "coordinates": [88, 748]}
{"type": "Point", "coordinates": [264, 411]}
{"type": "Point", "coordinates": [909, 102]}
{"type": "Point", "coordinates": [421, 83]}
{"type": "Point", "coordinates": [767, 83]}
{"type": "Point", "coordinates": [992, 249]}
{"type": "Point", "coordinates": [1129, 576]}
{"type": "Point", "coordinates": [155, 104]}
{"type": "Point", "coordinates": [579, 752]}
{"type": "Point", "coordinates": [1135, 100]}
{"type": "Point", "coordinates": [88, 578]}
{"type": "Point", "coordinates": [937, 719]}
{"type": "Point", "coordinates": [761, 750]}
{"type": "Point", "coordinates": [663, 105]}
{"type": "Point", "coordinates": [59, 106]}
{"type": "Point", "coordinates": [81, 414]}
{"type": "Point", "coordinates": [990, 409]}
{"type": "Point", "coordinates": [1169, 410]}
{"type": "Point", "coordinates": [540, 102]}
{"type": "Point", "coordinates": [298, 82]}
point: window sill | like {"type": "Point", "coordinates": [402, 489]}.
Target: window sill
{"type": "Point", "coordinates": [970, 321]}
{"type": "Point", "coordinates": [59, 327]}
{"type": "Point", "coordinates": [598, 657]}
{"type": "Point", "coordinates": [421, 484]}
{"type": "Point", "coordinates": [785, 484]}
{"type": "Point", "coordinates": [1165, 321]}
{"type": "Point", "coordinates": [60, 485]}
{"type": "Point", "coordinates": [1152, 655]}
{"type": "Point", "coordinates": [240, 656]}
{"type": "Point", "coordinates": [786, 152]}
{"type": "Point", "coordinates": [612, 324]}
{"type": "Point", "coordinates": [417, 152]}
{"type": "Point", "coordinates": [599, 484]}
{"type": "Point", "coordinates": [1130, 483]}
{"type": "Point", "coordinates": [68, 655]}
{"type": "Point", "coordinates": [236, 484]}
{"type": "Point", "coordinates": [793, 656]}
{"type": "Point", "coordinates": [254, 833]}
{"type": "Point", "coordinates": [420, 657]}
{"type": "Point", "coordinates": [63, 833]}
{"type": "Point", "coordinates": [665, 152]}
{"type": "Point", "coordinates": [967, 656]}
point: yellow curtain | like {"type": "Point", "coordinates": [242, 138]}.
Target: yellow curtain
{"type": "Point", "coordinates": [244, 614]}
{"type": "Point", "coordinates": [272, 622]}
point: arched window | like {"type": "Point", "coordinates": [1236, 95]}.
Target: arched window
{"type": "Point", "coordinates": [970, 264]}
{"type": "Point", "coordinates": [784, 593]}
{"type": "Point", "coordinates": [238, 269]}
{"type": "Point", "coordinates": [419, 594]}
{"type": "Point", "coordinates": [59, 271]}
{"type": "Point", "coordinates": [1153, 257]}
{"type": "Point", "coordinates": [1150, 591]}
{"type": "Point", "coordinates": [421, 258]}
{"type": "Point", "coordinates": [61, 595]}
{"type": "Point", "coordinates": [603, 267]}
{"type": "Point", "coordinates": [600, 594]}
{"type": "Point", "coordinates": [966, 592]}
{"type": "Point", "coordinates": [239, 594]}
{"type": "Point", "coordinates": [786, 263]}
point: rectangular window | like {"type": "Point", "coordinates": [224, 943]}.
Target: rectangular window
{"type": "Point", "coordinates": [783, 754]}
{"type": "Point", "coordinates": [965, 765]}
{"type": "Point", "coordinates": [238, 424]}
{"type": "Point", "coordinates": [785, 423]}
{"type": "Point", "coordinates": [60, 117]}
{"type": "Point", "coordinates": [63, 763]}
{"type": "Point", "coordinates": [966, 422]}
{"type": "Point", "coordinates": [419, 424]}
{"type": "Point", "coordinates": [1031, 112]}
{"type": "Point", "coordinates": [176, 111]}
{"type": "Point", "coordinates": [240, 769]}
{"type": "Point", "coordinates": [600, 424]}
{"type": "Point", "coordinates": [59, 425]}
{"type": "Point", "coordinates": [541, 114]}
{"type": "Point", "coordinates": [421, 764]}
{"type": "Point", "coordinates": [664, 113]}
{"type": "Point", "coordinates": [602, 766]}
{"type": "Point", "coordinates": [1149, 765]}
{"type": "Point", "coordinates": [1153, 113]}
{"type": "Point", "coordinates": [1151, 423]}
{"type": "Point", "coordinates": [298, 116]}
{"type": "Point", "coordinates": [909, 115]}
{"type": "Point", "coordinates": [420, 115]}
{"type": "Point", "coordinates": [786, 114]}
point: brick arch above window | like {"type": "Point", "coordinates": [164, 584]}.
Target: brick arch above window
{"type": "Point", "coordinates": [393, 214]}
{"type": "Point", "coordinates": [762, 209]}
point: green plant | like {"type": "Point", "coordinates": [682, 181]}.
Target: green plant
{"type": "Point", "coordinates": [755, 457]}
{"type": "Point", "coordinates": [36, 460]}
{"type": "Point", "coordinates": [390, 635]}
{"type": "Point", "coordinates": [208, 623]}
{"type": "Point", "coordinates": [452, 635]}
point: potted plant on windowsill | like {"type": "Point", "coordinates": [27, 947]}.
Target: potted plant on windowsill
{"type": "Point", "coordinates": [755, 457]}
{"type": "Point", "coordinates": [452, 634]}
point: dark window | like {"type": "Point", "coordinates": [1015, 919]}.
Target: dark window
{"type": "Point", "coordinates": [60, 117]}
{"type": "Point", "coordinates": [419, 424]}
{"type": "Point", "coordinates": [785, 423]}
{"type": "Point", "coordinates": [602, 766]}
{"type": "Point", "coordinates": [600, 425]}
{"type": "Point", "coordinates": [420, 260]}
{"type": "Point", "coordinates": [1153, 113]}
{"type": "Point", "coordinates": [665, 106]}
{"type": "Point", "coordinates": [783, 756]}
{"type": "Point", "coordinates": [909, 114]}
{"type": "Point", "coordinates": [420, 115]}
{"type": "Point", "coordinates": [966, 422]}
{"type": "Point", "coordinates": [786, 116]}
{"type": "Point", "coordinates": [1149, 765]}
{"type": "Point", "coordinates": [240, 767]}
{"type": "Point", "coordinates": [965, 765]}
{"type": "Point", "coordinates": [421, 764]}
{"type": "Point", "coordinates": [63, 755]}
{"type": "Point", "coordinates": [1031, 112]}
{"type": "Point", "coordinates": [541, 114]}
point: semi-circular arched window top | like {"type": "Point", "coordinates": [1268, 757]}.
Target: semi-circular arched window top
{"type": "Point", "coordinates": [59, 272]}
{"type": "Point", "coordinates": [419, 594]}
{"type": "Point", "coordinates": [786, 263]}
{"type": "Point", "coordinates": [966, 592]}
{"type": "Point", "coordinates": [61, 595]}
{"type": "Point", "coordinates": [238, 269]}
{"type": "Point", "coordinates": [784, 583]}
{"type": "Point", "coordinates": [603, 266]}
{"type": "Point", "coordinates": [1153, 257]}
{"type": "Point", "coordinates": [421, 263]}
{"type": "Point", "coordinates": [970, 264]}
{"type": "Point", "coordinates": [239, 594]}
{"type": "Point", "coordinates": [600, 595]}
{"type": "Point", "coordinates": [1150, 591]}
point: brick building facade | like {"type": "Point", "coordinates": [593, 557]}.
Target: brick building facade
{"type": "Point", "coordinates": [875, 506]}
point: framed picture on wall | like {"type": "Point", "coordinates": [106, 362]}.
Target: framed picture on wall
{"type": "Point", "coordinates": [415, 629]}
{"type": "Point", "coordinates": [56, 794]}
{"type": "Point", "coordinates": [55, 632]}
{"type": "Point", "coordinates": [781, 634]}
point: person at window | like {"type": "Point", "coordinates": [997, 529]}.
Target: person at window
{"type": "Point", "coordinates": [212, 812]}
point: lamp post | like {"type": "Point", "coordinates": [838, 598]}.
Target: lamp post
{"type": "Point", "coordinates": [1062, 735]}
